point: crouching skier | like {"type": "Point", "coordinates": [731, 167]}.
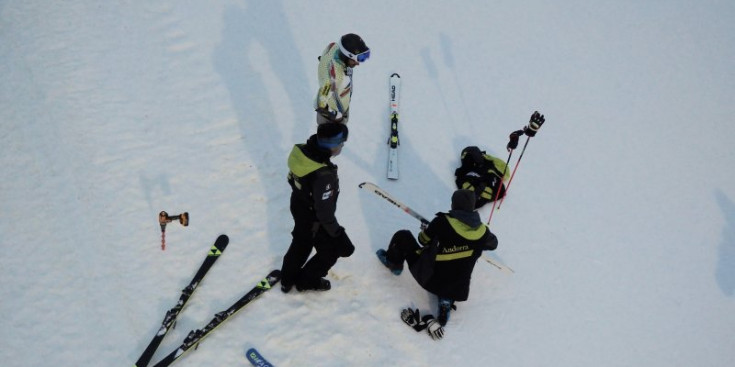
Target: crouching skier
{"type": "Point", "coordinates": [450, 246]}
{"type": "Point", "coordinates": [315, 188]}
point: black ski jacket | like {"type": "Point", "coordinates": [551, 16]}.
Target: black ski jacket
{"type": "Point", "coordinates": [452, 243]}
{"type": "Point", "coordinates": [314, 181]}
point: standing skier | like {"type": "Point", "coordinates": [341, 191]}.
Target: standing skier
{"type": "Point", "coordinates": [332, 102]}
{"type": "Point", "coordinates": [450, 245]}
{"type": "Point", "coordinates": [315, 188]}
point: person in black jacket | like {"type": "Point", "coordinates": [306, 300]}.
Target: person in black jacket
{"type": "Point", "coordinates": [483, 174]}
{"type": "Point", "coordinates": [315, 188]}
{"type": "Point", "coordinates": [450, 246]}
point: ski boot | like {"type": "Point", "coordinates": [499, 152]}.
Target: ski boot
{"type": "Point", "coordinates": [446, 306]}
{"type": "Point", "coordinates": [320, 285]}
{"type": "Point", "coordinates": [382, 256]}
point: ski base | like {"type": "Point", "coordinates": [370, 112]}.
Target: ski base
{"type": "Point", "coordinates": [256, 359]}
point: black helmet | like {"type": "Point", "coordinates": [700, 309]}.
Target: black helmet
{"type": "Point", "coordinates": [353, 47]}
{"type": "Point", "coordinates": [472, 155]}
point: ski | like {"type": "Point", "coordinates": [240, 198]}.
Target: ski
{"type": "Point", "coordinates": [388, 197]}
{"type": "Point", "coordinates": [256, 359]}
{"type": "Point", "coordinates": [385, 195]}
{"type": "Point", "coordinates": [395, 92]}
{"type": "Point", "coordinates": [196, 336]}
{"type": "Point", "coordinates": [168, 321]}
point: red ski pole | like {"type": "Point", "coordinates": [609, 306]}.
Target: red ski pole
{"type": "Point", "coordinates": [497, 191]}
{"type": "Point", "coordinates": [507, 187]}
{"type": "Point", "coordinates": [530, 130]}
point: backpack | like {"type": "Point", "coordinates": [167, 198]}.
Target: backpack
{"type": "Point", "coordinates": [481, 173]}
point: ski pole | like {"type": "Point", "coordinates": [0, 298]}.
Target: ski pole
{"type": "Point", "coordinates": [507, 187]}
{"type": "Point", "coordinates": [534, 124]}
{"type": "Point", "coordinates": [497, 192]}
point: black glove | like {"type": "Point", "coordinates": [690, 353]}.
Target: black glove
{"type": "Point", "coordinates": [340, 244]}
{"type": "Point", "coordinates": [344, 245]}
{"type": "Point", "coordinates": [534, 124]}
{"type": "Point", "coordinates": [412, 318]}
{"type": "Point", "coordinates": [513, 142]}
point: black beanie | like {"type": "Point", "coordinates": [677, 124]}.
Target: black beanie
{"type": "Point", "coordinates": [463, 200]}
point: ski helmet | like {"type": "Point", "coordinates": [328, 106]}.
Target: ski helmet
{"type": "Point", "coordinates": [472, 154]}
{"type": "Point", "coordinates": [354, 48]}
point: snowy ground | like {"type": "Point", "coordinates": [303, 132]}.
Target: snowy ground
{"type": "Point", "coordinates": [620, 223]}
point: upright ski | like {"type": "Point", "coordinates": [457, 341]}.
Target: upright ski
{"type": "Point", "coordinates": [219, 246]}
{"type": "Point", "coordinates": [395, 93]}
{"type": "Point", "coordinates": [196, 336]}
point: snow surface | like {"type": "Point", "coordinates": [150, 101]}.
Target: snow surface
{"type": "Point", "coordinates": [620, 222]}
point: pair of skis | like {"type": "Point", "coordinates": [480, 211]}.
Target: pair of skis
{"type": "Point", "coordinates": [196, 336]}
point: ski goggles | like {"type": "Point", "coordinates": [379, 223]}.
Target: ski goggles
{"type": "Point", "coordinates": [332, 142]}
{"type": "Point", "coordinates": [361, 57]}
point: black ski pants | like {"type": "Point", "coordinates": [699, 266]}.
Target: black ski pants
{"type": "Point", "coordinates": [403, 247]}
{"type": "Point", "coordinates": [308, 235]}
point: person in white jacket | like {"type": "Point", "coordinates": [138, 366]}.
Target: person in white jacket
{"type": "Point", "coordinates": [332, 102]}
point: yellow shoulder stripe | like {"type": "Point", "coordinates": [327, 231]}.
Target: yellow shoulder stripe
{"type": "Point", "coordinates": [300, 164]}
{"type": "Point", "coordinates": [466, 231]}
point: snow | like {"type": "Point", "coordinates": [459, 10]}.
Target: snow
{"type": "Point", "coordinates": [619, 224]}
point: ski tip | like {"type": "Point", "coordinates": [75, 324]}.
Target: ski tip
{"type": "Point", "coordinates": [361, 184]}
{"type": "Point", "coordinates": [395, 75]}
{"type": "Point", "coordinates": [256, 359]}
{"type": "Point", "coordinates": [222, 241]}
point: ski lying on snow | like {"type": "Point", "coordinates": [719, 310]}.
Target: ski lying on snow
{"type": "Point", "coordinates": [256, 359]}
{"type": "Point", "coordinates": [395, 92]}
{"type": "Point", "coordinates": [196, 336]}
{"type": "Point", "coordinates": [168, 321]}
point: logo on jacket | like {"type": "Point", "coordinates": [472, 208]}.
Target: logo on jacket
{"type": "Point", "coordinates": [455, 248]}
{"type": "Point", "coordinates": [327, 192]}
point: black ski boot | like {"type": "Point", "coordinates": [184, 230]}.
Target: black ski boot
{"type": "Point", "coordinates": [320, 285]}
